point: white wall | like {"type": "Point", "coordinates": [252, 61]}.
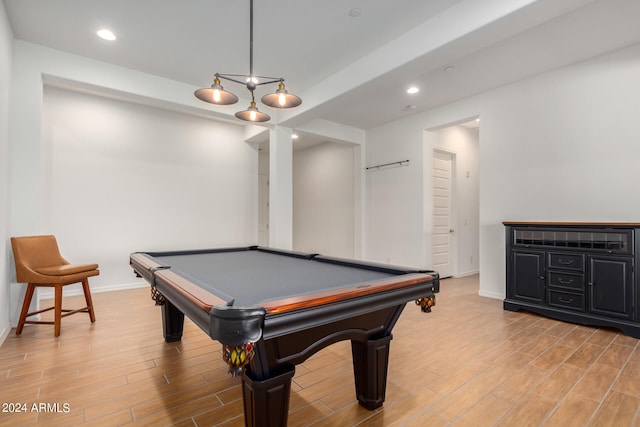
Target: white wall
{"type": "Point", "coordinates": [395, 231]}
{"type": "Point", "coordinates": [123, 177]}
{"type": "Point", "coordinates": [323, 199]}
{"type": "Point", "coordinates": [560, 146]}
{"type": "Point", "coordinates": [6, 60]}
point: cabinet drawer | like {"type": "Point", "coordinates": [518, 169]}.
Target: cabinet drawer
{"type": "Point", "coordinates": [566, 261]}
{"type": "Point", "coordinates": [562, 279]}
{"type": "Point", "coordinates": [567, 300]}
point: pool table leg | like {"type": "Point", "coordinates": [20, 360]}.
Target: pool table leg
{"type": "Point", "coordinates": [370, 362]}
{"type": "Point", "coordinates": [172, 322]}
{"type": "Point", "coordinates": [266, 402]}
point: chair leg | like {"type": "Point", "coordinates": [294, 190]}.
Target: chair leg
{"type": "Point", "coordinates": [57, 322]}
{"type": "Point", "coordinates": [25, 307]}
{"type": "Point", "coordinates": [87, 297]}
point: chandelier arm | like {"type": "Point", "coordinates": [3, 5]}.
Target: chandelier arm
{"type": "Point", "coordinates": [276, 79]}
{"type": "Point", "coordinates": [269, 82]}
{"type": "Point", "coordinates": [226, 77]}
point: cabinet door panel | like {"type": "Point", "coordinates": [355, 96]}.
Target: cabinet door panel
{"type": "Point", "coordinates": [528, 276]}
{"type": "Point", "coordinates": [611, 286]}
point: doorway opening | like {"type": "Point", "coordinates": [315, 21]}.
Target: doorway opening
{"type": "Point", "coordinates": [452, 200]}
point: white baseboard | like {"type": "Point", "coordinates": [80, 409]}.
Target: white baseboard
{"type": "Point", "coordinates": [467, 273]}
{"type": "Point", "coordinates": [74, 291]}
{"type": "Point", "coordinates": [494, 295]}
{"type": "Point", "coordinates": [5, 334]}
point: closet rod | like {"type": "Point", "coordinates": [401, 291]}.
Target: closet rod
{"type": "Point", "coordinates": [387, 164]}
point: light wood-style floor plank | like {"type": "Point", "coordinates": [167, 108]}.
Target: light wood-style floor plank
{"type": "Point", "coordinates": [468, 363]}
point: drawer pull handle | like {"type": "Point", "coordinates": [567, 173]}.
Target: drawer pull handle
{"type": "Point", "coordinates": [565, 282]}
{"type": "Point", "coordinates": [563, 262]}
{"type": "Point", "coordinates": [566, 301]}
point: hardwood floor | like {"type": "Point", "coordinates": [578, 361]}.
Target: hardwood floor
{"type": "Point", "coordinates": [468, 363]}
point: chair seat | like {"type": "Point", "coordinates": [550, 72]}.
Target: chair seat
{"type": "Point", "coordinates": [66, 269]}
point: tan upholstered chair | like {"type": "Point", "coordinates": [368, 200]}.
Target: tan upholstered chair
{"type": "Point", "coordinates": [39, 263]}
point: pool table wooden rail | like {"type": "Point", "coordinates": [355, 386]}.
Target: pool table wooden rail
{"type": "Point", "coordinates": [329, 297]}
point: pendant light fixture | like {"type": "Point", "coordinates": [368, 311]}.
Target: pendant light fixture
{"type": "Point", "coordinates": [279, 99]}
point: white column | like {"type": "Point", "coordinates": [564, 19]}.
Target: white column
{"type": "Point", "coordinates": [29, 165]}
{"type": "Point", "coordinates": [280, 188]}
{"type": "Point", "coordinates": [359, 202]}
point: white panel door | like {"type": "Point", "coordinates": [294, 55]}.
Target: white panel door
{"type": "Point", "coordinates": [442, 213]}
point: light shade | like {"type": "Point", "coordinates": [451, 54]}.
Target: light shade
{"type": "Point", "coordinates": [216, 94]}
{"type": "Point", "coordinates": [252, 114]}
{"type": "Point", "coordinates": [281, 98]}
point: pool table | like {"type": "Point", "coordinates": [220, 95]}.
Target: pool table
{"type": "Point", "coordinates": [272, 309]}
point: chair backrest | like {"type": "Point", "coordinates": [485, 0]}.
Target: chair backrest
{"type": "Point", "coordinates": [32, 252]}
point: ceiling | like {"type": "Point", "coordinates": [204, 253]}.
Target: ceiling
{"type": "Point", "coordinates": [352, 70]}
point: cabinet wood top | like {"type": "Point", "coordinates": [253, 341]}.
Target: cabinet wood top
{"type": "Point", "coordinates": [573, 224]}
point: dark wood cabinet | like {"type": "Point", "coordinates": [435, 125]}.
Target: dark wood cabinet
{"type": "Point", "coordinates": [576, 272]}
{"type": "Point", "coordinates": [528, 276]}
{"type": "Point", "coordinates": [611, 286]}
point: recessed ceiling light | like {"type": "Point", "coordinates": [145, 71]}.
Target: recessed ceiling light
{"type": "Point", "coordinates": [449, 68]}
{"type": "Point", "coordinates": [413, 90]}
{"type": "Point", "coordinates": [355, 12]}
{"type": "Point", "coordinates": [294, 136]}
{"type": "Point", "coordinates": [106, 34]}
